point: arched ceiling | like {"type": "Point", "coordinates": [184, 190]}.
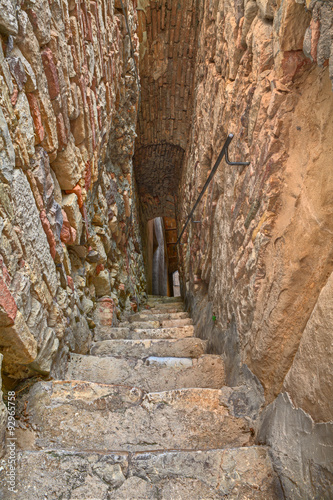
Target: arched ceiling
{"type": "Point", "coordinates": [168, 37]}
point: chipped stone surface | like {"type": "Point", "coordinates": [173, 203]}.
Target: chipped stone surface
{"type": "Point", "coordinates": [302, 450]}
{"type": "Point", "coordinates": [240, 473]}
{"type": "Point", "coordinates": [153, 374]}
{"type": "Point", "coordinates": [190, 347]}
{"type": "Point", "coordinates": [126, 419]}
{"type": "Point", "coordinates": [150, 333]}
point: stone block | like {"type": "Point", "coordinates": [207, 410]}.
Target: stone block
{"type": "Point", "coordinates": [71, 207]}
{"type": "Point", "coordinates": [7, 154]}
{"type": "Point", "coordinates": [301, 450]}
{"type": "Point", "coordinates": [8, 21]}
{"type": "Point", "coordinates": [36, 247]}
{"type": "Point", "coordinates": [51, 73]}
{"type": "Point", "coordinates": [25, 124]}
{"type": "Point", "coordinates": [267, 8]}
{"type": "Point", "coordinates": [309, 381]}
{"type": "Point", "coordinates": [30, 83]}
{"type": "Point", "coordinates": [103, 314]}
{"type": "Point", "coordinates": [66, 167]}
{"type": "Point", "coordinates": [17, 343]}
{"type": "Point", "coordinates": [290, 25]}
{"type": "Point", "coordinates": [43, 362]}
{"type": "Point", "coordinates": [102, 283]}
{"type": "Point", "coordinates": [8, 307]}
{"type": "Point", "coordinates": [40, 17]}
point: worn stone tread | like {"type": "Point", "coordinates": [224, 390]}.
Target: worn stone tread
{"type": "Point", "coordinates": [77, 415]}
{"type": "Point", "coordinates": [151, 374]}
{"type": "Point", "coordinates": [189, 347]}
{"type": "Point", "coordinates": [107, 333]}
{"type": "Point", "coordinates": [238, 473]}
{"type": "Point", "coordinates": [158, 316]}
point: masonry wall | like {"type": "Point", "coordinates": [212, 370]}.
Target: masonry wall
{"type": "Point", "coordinates": [257, 270]}
{"type": "Point", "coordinates": [69, 241]}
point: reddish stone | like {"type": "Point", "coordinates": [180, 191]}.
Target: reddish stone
{"type": "Point", "coordinates": [49, 234]}
{"type": "Point", "coordinates": [8, 307]}
{"type": "Point", "coordinates": [99, 113]}
{"type": "Point", "coordinates": [315, 35]}
{"type": "Point", "coordinates": [134, 307]}
{"type": "Point", "coordinates": [51, 73]}
{"type": "Point", "coordinates": [104, 311]}
{"type": "Point", "coordinates": [36, 117]}
{"type": "Point", "coordinates": [99, 268]}
{"type": "Point", "coordinates": [70, 283]}
{"type": "Point", "coordinates": [14, 97]}
{"type": "Point", "coordinates": [87, 175]}
{"type": "Point", "coordinates": [92, 121]}
{"type": "Point", "coordinates": [62, 133]}
{"type": "Point", "coordinates": [68, 233]}
{"type": "Point", "coordinates": [76, 190]}
{"type": "Point", "coordinates": [291, 64]}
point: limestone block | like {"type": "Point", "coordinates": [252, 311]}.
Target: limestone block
{"type": "Point", "coordinates": [78, 126]}
{"type": "Point", "coordinates": [7, 154]}
{"type": "Point", "coordinates": [66, 167]}
{"type": "Point", "coordinates": [3, 416]}
{"type": "Point", "coordinates": [40, 17]}
{"type": "Point", "coordinates": [5, 71]}
{"type": "Point", "coordinates": [82, 336]}
{"type": "Point", "coordinates": [102, 283]}
{"type": "Point", "coordinates": [8, 307]}
{"type": "Point", "coordinates": [310, 378]}
{"type": "Point", "coordinates": [301, 450]}
{"type": "Point", "coordinates": [97, 245]}
{"type": "Point", "coordinates": [8, 21]}
{"type": "Point", "coordinates": [37, 252]}
{"type": "Point", "coordinates": [103, 314]}
{"type": "Point", "coordinates": [25, 123]}
{"type": "Point", "coordinates": [31, 82]}
{"type": "Point", "coordinates": [17, 343]}
{"type": "Point", "coordinates": [46, 353]}
{"type": "Point", "coordinates": [290, 25]}
{"type": "Point", "coordinates": [71, 207]}
{"type": "Point", "coordinates": [267, 8]}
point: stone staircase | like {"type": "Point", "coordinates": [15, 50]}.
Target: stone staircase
{"type": "Point", "coordinates": [145, 416]}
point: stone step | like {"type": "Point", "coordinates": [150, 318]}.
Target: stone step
{"type": "Point", "coordinates": [164, 323]}
{"type": "Point", "coordinates": [82, 416]}
{"type": "Point", "coordinates": [157, 316]}
{"type": "Point", "coordinates": [151, 374]}
{"type": "Point", "coordinates": [164, 300]}
{"type": "Point", "coordinates": [163, 308]}
{"type": "Point", "coordinates": [107, 333]}
{"type": "Point", "coordinates": [182, 348]}
{"type": "Point", "coordinates": [176, 323]}
{"type": "Point", "coordinates": [238, 473]}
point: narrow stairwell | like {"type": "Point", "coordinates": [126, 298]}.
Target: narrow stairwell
{"type": "Point", "coordinates": [144, 416]}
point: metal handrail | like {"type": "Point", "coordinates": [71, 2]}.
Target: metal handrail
{"type": "Point", "coordinates": [224, 152]}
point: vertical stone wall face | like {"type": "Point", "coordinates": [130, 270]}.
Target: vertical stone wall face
{"type": "Point", "coordinates": [69, 240]}
{"type": "Point", "coordinates": [257, 270]}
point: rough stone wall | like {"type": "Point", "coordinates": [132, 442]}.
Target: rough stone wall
{"type": "Point", "coordinates": [257, 270]}
{"type": "Point", "coordinates": [69, 241]}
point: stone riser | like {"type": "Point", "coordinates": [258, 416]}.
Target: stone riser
{"type": "Point", "coordinates": [188, 348]}
{"type": "Point", "coordinates": [243, 473]}
{"type": "Point", "coordinates": [152, 374]}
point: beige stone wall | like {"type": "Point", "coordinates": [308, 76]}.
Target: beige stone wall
{"type": "Point", "coordinates": [263, 250]}
{"type": "Point", "coordinates": [69, 238]}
